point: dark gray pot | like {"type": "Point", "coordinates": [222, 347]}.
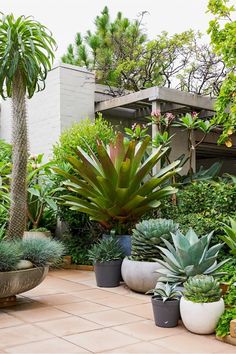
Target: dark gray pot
{"type": "Point", "coordinates": [124, 241]}
{"type": "Point", "coordinates": [108, 274]}
{"type": "Point", "coordinates": [166, 314]}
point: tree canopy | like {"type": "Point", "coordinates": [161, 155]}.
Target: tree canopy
{"type": "Point", "coordinates": [223, 39]}
{"type": "Point", "coordinates": [122, 56]}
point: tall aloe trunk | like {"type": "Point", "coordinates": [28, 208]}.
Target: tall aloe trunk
{"type": "Point", "coordinates": [18, 207]}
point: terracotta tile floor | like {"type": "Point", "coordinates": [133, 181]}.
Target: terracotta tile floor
{"type": "Point", "coordinates": [67, 313]}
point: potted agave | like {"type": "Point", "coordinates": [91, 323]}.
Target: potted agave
{"type": "Point", "coordinates": [138, 270]}
{"type": "Point", "coordinates": [202, 304]}
{"type": "Point", "coordinates": [165, 304]}
{"type": "Point", "coordinates": [107, 256]}
{"type": "Point", "coordinates": [189, 255]}
{"type": "Point", "coordinates": [113, 187]}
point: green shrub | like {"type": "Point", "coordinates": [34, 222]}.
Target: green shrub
{"type": "Point", "coordinates": [83, 232]}
{"type": "Point", "coordinates": [203, 206]}
{"type": "Point", "coordinates": [5, 151]}
{"type": "Point", "coordinates": [229, 269]}
{"type": "Point", "coordinates": [223, 325]}
{"type": "Point", "coordinates": [10, 255]}
{"type": "Point", "coordinates": [78, 245]}
{"type": "Point", "coordinates": [41, 251]}
{"type": "Point", "coordinates": [84, 133]}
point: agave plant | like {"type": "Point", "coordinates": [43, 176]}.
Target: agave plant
{"type": "Point", "coordinates": [106, 250]}
{"type": "Point", "coordinates": [202, 288]}
{"type": "Point", "coordinates": [188, 256]}
{"type": "Point", "coordinates": [147, 235]}
{"type": "Point", "coordinates": [230, 235]}
{"type": "Point", "coordinates": [165, 291]}
{"type": "Point", "coordinates": [115, 187]}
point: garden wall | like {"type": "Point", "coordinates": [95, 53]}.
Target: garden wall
{"type": "Point", "coordinates": [68, 97]}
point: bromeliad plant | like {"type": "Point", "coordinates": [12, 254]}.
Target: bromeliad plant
{"type": "Point", "coordinates": [188, 256]}
{"type": "Point", "coordinates": [115, 187]}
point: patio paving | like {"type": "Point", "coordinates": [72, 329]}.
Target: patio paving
{"type": "Point", "coordinates": [67, 313]}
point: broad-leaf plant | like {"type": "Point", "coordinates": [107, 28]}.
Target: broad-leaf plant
{"type": "Point", "coordinates": [115, 187]}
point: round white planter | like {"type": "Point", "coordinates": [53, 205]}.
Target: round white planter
{"type": "Point", "coordinates": [201, 318]}
{"type": "Point", "coordinates": [140, 276]}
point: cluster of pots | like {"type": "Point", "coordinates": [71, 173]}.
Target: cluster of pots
{"type": "Point", "coordinates": [200, 318]}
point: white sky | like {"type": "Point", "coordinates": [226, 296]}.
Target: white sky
{"type": "Point", "coordinates": [66, 17]}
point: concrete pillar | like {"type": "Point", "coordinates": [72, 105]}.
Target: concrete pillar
{"type": "Point", "coordinates": [156, 106]}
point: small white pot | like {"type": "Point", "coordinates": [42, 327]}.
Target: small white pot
{"type": "Point", "coordinates": [201, 318]}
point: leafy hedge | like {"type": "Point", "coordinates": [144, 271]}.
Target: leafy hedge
{"type": "Point", "coordinates": [84, 133]}
{"type": "Point", "coordinates": [203, 206]}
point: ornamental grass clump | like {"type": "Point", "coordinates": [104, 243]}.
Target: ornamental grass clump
{"type": "Point", "coordinates": [147, 235]}
{"type": "Point", "coordinates": [10, 255]}
{"type": "Point", "coordinates": [202, 288]}
{"type": "Point", "coordinates": [189, 255]}
{"type": "Point", "coordinates": [41, 251]}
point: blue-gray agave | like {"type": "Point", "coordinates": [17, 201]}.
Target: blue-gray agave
{"type": "Point", "coordinates": [188, 256]}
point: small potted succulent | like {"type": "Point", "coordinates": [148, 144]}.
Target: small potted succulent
{"type": "Point", "coordinates": [202, 304]}
{"type": "Point", "coordinates": [107, 256]}
{"type": "Point", "coordinates": [165, 304]}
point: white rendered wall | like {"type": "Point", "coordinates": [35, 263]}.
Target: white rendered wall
{"type": "Point", "coordinates": [67, 98]}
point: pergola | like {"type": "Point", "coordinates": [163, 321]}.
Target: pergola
{"type": "Point", "coordinates": [140, 105]}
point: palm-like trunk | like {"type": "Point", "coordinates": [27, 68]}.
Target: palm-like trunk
{"type": "Point", "coordinates": [18, 207]}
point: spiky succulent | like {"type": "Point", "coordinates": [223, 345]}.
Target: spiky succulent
{"type": "Point", "coordinates": [202, 288]}
{"type": "Point", "coordinates": [188, 256]}
{"type": "Point", "coordinates": [107, 249]}
{"type": "Point", "coordinates": [165, 291]}
{"type": "Point", "coordinates": [147, 235]}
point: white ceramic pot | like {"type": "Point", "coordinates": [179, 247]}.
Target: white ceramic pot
{"type": "Point", "coordinates": [140, 276]}
{"type": "Point", "coordinates": [201, 318]}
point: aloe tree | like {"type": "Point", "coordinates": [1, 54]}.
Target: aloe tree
{"type": "Point", "coordinates": [26, 55]}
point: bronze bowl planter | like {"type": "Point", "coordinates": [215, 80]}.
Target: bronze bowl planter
{"type": "Point", "coordinates": [19, 281]}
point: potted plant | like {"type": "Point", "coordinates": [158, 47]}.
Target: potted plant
{"type": "Point", "coordinates": [138, 270]}
{"type": "Point", "coordinates": [165, 304]}
{"type": "Point", "coordinates": [202, 304]}
{"type": "Point", "coordinates": [113, 187]}
{"type": "Point", "coordinates": [24, 263]}
{"type": "Point", "coordinates": [40, 197]}
{"type": "Point", "coordinates": [189, 255]}
{"type": "Point", "coordinates": [107, 257]}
